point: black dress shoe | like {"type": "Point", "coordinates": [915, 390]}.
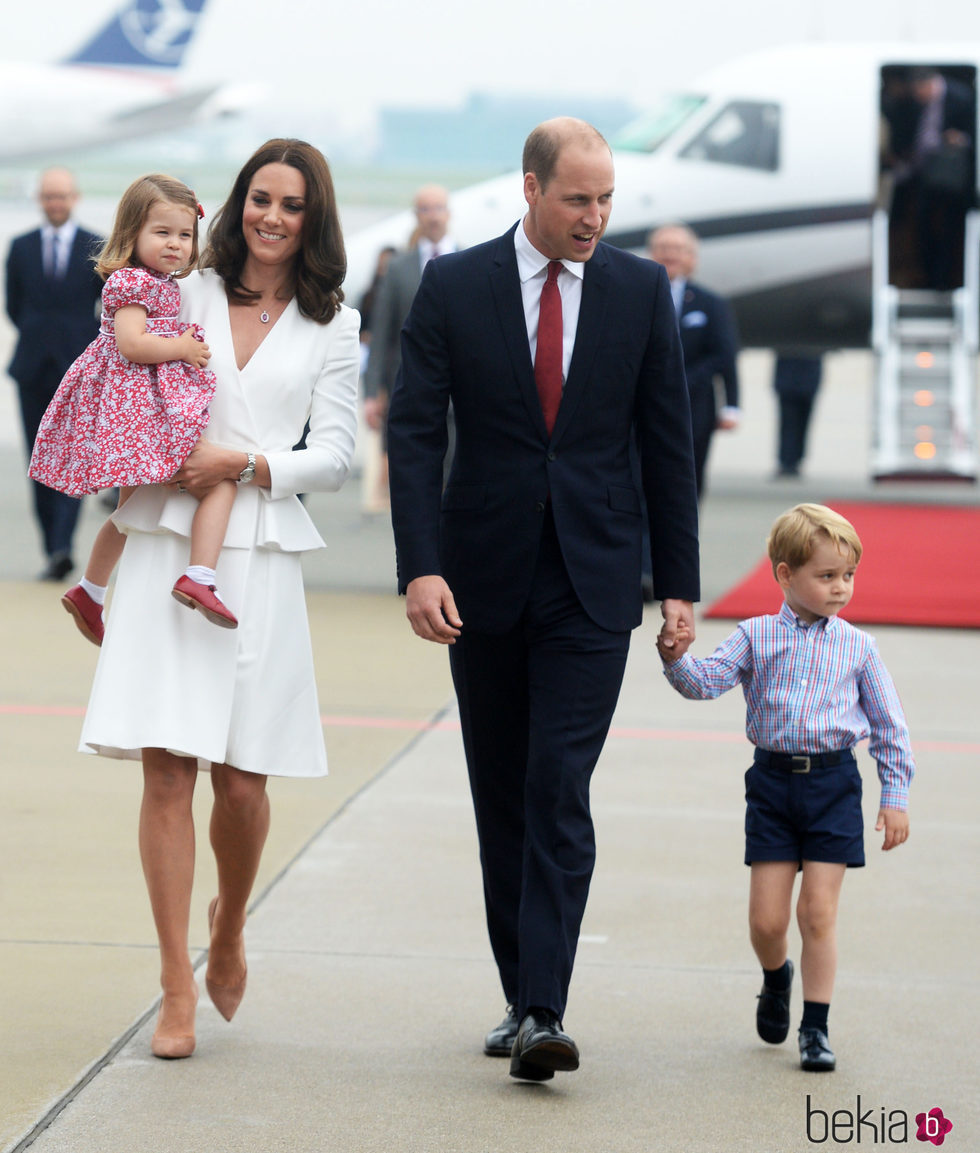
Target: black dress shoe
{"type": "Point", "coordinates": [541, 1048]}
{"type": "Point", "coordinates": [58, 567]}
{"type": "Point", "coordinates": [772, 1012]}
{"type": "Point", "coordinates": [499, 1042]}
{"type": "Point", "coordinates": [816, 1055]}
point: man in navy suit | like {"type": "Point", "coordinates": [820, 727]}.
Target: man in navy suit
{"type": "Point", "coordinates": [52, 294]}
{"type": "Point", "coordinates": [528, 565]}
{"type": "Point", "coordinates": [708, 337]}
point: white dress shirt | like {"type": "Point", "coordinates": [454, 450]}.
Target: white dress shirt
{"type": "Point", "coordinates": [427, 249]}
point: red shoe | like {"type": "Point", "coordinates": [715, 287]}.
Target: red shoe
{"type": "Point", "coordinates": [198, 596]}
{"type": "Point", "coordinates": [87, 614]}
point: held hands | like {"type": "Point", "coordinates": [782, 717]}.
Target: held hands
{"type": "Point", "coordinates": [191, 350]}
{"type": "Point", "coordinates": [431, 610]}
{"type": "Point", "coordinates": [206, 466]}
{"type": "Point", "coordinates": [677, 633]}
{"type": "Point", "coordinates": [896, 826]}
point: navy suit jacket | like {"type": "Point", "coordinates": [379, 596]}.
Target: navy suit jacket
{"type": "Point", "coordinates": [465, 341]}
{"type": "Point", "coordinates": [55, 319]}
{"type": "Point", "coordinates": [710, 341]}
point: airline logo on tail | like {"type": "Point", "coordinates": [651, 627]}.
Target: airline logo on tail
{"type": "Point", "coordinates": [144, 33]}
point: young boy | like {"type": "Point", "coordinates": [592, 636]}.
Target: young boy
{"type": "Point", "coordinates": [814, 687]}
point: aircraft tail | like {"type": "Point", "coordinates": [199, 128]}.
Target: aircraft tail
{"type": "Point", "coordinates": [143, 34]}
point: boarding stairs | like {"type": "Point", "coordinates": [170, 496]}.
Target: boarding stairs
{"type": "Point", "coordinates": [926, 346]}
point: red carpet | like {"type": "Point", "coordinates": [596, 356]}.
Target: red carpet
{"type": "Point", "coordinates": [921, 566]}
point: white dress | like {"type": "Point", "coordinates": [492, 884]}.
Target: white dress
{"type": "Point", "coordinates": [166, 677]}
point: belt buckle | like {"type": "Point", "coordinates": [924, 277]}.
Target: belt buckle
{"type": "Point", "coordinates": [806, 764]}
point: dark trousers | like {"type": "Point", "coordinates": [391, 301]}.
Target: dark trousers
{"type": "Point", "coordinates": [797, 379]}
{"type": "Point", "coordinates": [56, 513]}
{"type": "Point", "coordinates": [535, 705]}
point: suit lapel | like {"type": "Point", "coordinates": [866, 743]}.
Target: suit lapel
{"type": "Point", "coordinates": [505, 285]}
{"type": "Point", "coordinates": [591, 317]}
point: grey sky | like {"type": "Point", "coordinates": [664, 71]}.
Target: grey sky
{"type": "Point", "coordinates": [345, 59]}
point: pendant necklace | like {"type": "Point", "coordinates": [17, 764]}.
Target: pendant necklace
{"type": "Point", "coordinates": [264, 316]}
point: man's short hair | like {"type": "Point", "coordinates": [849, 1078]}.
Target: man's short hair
{"type": "Point", "coordinates": [543, 147]}
{"type": "Point", "coordinates": [794, 534]}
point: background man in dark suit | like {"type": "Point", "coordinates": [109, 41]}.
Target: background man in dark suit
{"type": "Point", "coordinates": [536, 543]}
{"type": "Point", "coordinates": [52, 294]}
{"type": "Point", "coordinates": [396, 293]}
{"type": "Point", "coordinates": [708, 336]}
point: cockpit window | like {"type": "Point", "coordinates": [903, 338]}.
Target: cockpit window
{"type": "Point", "coordinates": [650, 131]}
{"type": "Point", "coordinates": [744, 133]}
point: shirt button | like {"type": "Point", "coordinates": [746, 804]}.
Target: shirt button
{"type": "Point", "coordinates": [552, 456]}
{"type": "Point", "coordinates": [539, 507]}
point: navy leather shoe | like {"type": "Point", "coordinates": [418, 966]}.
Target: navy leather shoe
{"type": "Point", "coordinates": [541, 1048]}
{"type": "Point", "coordinates": [772, 1012]}
{"type": "Point", "coordinates": [499, 1041]}
{"type": "Point", "coordinates": [816, 1055]}
{"type": "Point", "coordinates": [57, 568]}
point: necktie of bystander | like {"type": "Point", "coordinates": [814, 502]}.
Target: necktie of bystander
{"type": "Point", "coordinates": [548, 354]}
{"type": "Point", "coordinates": [50, 255]}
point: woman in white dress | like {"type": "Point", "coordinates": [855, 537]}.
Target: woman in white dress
{"type": "Point", "coordinates": [172, 690]}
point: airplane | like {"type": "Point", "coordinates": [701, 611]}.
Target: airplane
{"type": "Point", "coordinates": [119, 85]}
{"type": "Point", "coordinates": [774, 160]}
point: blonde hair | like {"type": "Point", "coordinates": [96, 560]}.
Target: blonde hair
{"type": "Point", "coordinates": [119, 250]}
{"type": "Point", "coordinates": [794, 534]}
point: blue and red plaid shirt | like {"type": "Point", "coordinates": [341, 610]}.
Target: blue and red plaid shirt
{"type": "Point", "coordinates": [808, 689]}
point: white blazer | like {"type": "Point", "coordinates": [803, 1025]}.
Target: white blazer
{"type": "Point", "coordinates": [301, 371]}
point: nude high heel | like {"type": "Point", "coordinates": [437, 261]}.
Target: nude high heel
{"type": "Point", "coordinates": [171, 1047]}
{"type": "Point", "coordinates": [225, 998]}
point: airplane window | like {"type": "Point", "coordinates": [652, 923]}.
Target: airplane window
{"type": "Point", "coordinates": [650, 131]}
{"type": "Point", "coordinates": [743, 133]}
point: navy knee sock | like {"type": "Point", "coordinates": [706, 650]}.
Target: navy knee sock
{"type": "Point", "coordinates": [815, 1016]}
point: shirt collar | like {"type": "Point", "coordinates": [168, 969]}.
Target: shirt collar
{"type": "Point", "coordinates": [65, 233]}
{"type": "Point", "coordinates": [788, 617]}
{"type": "Point", "coordinates": [531, 263]}
{"type": "Point", "coordinates": [426, 248]}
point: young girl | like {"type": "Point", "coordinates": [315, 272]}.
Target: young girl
{"type": "Point", "coordinates": [134, 404]}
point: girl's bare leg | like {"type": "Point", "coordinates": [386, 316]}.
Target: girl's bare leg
{"type": "Point", "coordinates": [211, 523]}
{"type": "Point", "coordinates": [166, 840]}
{"type": "Point", "coordinates": [107, 548]}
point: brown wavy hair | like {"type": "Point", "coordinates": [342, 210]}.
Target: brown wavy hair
{"type": "Point", "coordinates": [119, 250]}
{"type": "Point", "coordinates": [321, 263]}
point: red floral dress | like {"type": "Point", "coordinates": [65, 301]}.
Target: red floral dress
{"type": "Point", "coordinates": [113, 422]}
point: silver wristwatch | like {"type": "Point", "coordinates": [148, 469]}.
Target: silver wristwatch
{"type": "Point", "coordinates": [248, 472]}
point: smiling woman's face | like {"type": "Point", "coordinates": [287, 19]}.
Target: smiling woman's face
{"type": "Point", "coordinates": [274, 212]}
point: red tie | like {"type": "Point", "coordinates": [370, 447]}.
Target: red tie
{"type": "Point", "coordinates": [548, 356]}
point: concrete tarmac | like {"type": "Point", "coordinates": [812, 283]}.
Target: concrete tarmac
{"type": "Point", "coordinates": [370, 977]}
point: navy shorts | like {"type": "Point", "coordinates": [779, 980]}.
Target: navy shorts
{"type": "Point", "coordinates": [804, 809]}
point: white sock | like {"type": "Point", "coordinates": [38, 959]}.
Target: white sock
{"type": "Point", "coordinates": [200, 574]}
{"type": "Point", "coordinates": [96, 592]}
